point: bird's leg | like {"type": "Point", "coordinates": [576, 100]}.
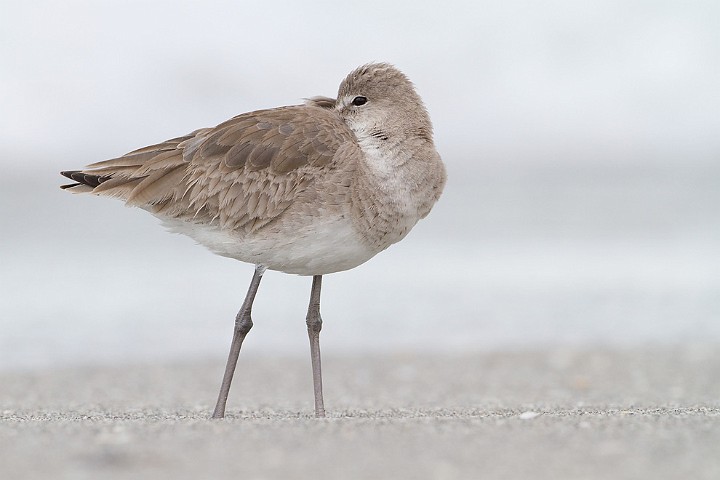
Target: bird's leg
{"type": "Point", "coordinates": [314, 325]}
{"type": "Point", "coordinates": [243, 324]}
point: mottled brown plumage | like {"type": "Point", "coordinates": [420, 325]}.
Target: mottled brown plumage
{"type": "Point", "coordinates": [307, 189]}
{"type": "Point", "coordinates": [242, 173]}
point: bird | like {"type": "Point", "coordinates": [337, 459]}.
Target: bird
{"type": "Point", "coordinates": [308, 189]}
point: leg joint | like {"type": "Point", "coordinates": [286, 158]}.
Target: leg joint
{"type": "Point", "coordinates": [314, 321]}
{"type": "Point", "coordinates": [243, 323]}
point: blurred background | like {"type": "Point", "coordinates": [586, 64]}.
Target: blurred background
{"type": "Point", "coordinates": [582, 141]}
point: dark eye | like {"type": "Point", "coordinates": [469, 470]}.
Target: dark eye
{"type": "Point", "coordinates": [357, 101]}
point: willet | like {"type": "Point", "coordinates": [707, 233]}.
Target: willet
{"type": "Point", "coordinates": [307, 189]}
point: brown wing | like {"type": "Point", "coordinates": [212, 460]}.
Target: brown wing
{"type": "Point", "coordinates": [242, 173]}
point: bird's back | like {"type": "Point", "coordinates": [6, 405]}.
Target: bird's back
{"type": "Point", "coordinates": [240, 175]}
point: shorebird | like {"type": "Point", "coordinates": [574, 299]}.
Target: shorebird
{"type": "Point", "coordinates": [309, 189]}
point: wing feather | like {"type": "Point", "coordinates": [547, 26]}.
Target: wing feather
{"type": "Point", "coordinates": [242, 173]}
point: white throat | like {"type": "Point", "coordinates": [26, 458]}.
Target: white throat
{"type": "Point", "coordinates": [389, 164]}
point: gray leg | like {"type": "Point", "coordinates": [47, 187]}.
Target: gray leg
{"type": "Point", "coordinates": [243, 324]}
{"type": "Point", "coordinates": [314, 325]}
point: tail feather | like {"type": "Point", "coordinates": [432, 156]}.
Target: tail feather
{"type": "Point", "coordinates": [83, 178]}
{"type": "Point", "coordinates": [142, 179]}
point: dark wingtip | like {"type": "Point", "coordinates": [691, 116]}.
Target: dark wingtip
{"type": "Point", "coordinates": [83, 178]}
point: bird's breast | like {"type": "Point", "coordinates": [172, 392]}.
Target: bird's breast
{"type": "Point", "coordinates": [392, 192]}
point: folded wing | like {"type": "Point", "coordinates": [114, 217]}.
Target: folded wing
{"type": "Point", "coordinates": [242, 173]}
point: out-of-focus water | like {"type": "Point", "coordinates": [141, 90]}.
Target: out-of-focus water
{"type": "Point", "coordinates": [581, 140]}
{"type": "Point", "coordinates": [512, 256]}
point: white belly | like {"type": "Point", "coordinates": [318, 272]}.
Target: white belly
{"type": "Point", "coordinates": [324, 245]}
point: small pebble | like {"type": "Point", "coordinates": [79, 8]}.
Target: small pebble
{"type": "Point", "coordinates": [528, 415]}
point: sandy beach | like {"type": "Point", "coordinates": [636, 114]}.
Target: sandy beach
{"type": "Point", "coordinates": [560, 413]}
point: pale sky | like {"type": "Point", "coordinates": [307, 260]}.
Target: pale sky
{"type": "Point", "coordinates": [581, 141]}
{"type": "Point", "coordinates": [87, 80]}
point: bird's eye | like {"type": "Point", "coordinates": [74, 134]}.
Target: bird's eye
{"type": "Point", "coordinates": [357, 101]}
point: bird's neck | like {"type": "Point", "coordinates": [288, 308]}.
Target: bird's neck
{"type": "Point", "coordinates": [393, 188]}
